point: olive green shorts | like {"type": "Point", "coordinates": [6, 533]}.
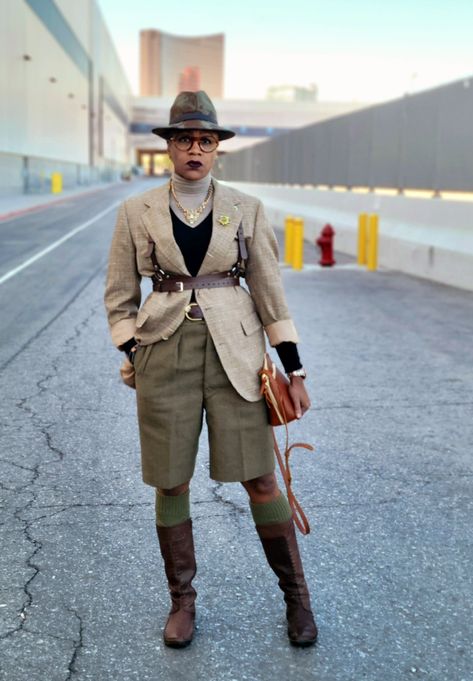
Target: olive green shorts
{"type": "Point", "coordinates": [179, 379]}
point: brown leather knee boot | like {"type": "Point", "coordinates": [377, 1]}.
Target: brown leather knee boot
{"type": "Point", "coordinates": [177, 549]}
{"type": "Point", "coordinates": [280, 546]}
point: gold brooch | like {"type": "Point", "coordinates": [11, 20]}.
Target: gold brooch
{"type": "Point", "coordinates": [224, 220]}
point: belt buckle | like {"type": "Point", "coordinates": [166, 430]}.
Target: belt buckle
{"type": "Point", "coordinates": [180, 286]}
{"type": "Point", "coordinates": [187, 309]}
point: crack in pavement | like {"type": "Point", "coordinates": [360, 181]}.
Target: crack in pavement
{"type": "Point", "coordinates": [24, 405]}
{"type": "Point", "coordinates": [62, 509]}
{"type": "Point", "coordinates": [42, 387]}
{"type": "Point", "coordinates": [113, 504]}
{"type": "Point", "coordinates": [77, 643]}
{"type": "Point", "coordinates": [17, 465]}
{"type": "Point", "coordinates": [205, 517]}
{"type": "Point", "coordinates": [216, 489]}
{"type": "Point", "coordinates": [46, 634]}
{"type": "Point", "coordinates": [388, 405]}
{"type": "Point", "coordinates": [30, 564]}
{"type": "Point", "coordinates": [44, 430]}
{"type": "Point", "coordinates": [53, 319]}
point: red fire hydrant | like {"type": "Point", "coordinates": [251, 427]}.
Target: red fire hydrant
{"type": "Point", "coordinates": [325, 243]}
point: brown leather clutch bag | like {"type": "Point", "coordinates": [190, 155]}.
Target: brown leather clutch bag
{"type": "Point", "coordinates": [275, 388]}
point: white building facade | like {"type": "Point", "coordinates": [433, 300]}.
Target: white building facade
{"type": "Point", "coordinates": [65, 97]}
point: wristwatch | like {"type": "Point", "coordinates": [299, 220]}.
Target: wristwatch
{"type": "Point", "coordinates": [298, 372]}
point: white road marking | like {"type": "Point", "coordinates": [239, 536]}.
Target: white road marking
{"type": "Point", "coordinates": [57, 243]}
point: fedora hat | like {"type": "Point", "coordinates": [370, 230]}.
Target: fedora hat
{"type": "Point", "coordinates": [193, 111]}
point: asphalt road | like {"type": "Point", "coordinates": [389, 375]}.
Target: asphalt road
{"type": "Point", "coordinates": [388, 490]}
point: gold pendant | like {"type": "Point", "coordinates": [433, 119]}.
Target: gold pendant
{"type": "Point", "coordinates": [191, 217]}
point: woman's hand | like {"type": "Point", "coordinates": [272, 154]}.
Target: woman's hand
{"type": "Point", "coordinates": [300, 398]}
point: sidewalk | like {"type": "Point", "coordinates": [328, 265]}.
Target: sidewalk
{"type": "Point", "coordinates": [15, 205]}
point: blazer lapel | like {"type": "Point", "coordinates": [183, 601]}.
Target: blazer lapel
{"type": "Point", "coordinates": [227, 216]}
{"type": "Point", "coordinates": [158, 223]}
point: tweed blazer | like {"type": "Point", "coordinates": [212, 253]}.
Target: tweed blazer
{"type": "Point", "coordinates": [235, 316]}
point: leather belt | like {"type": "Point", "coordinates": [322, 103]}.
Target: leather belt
{"type": "Point", "coordinates": [175, 283]}
{"type": "Point", "coordinates": [193, 312]}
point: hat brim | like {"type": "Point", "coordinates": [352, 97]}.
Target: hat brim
{"type": "Point", "coordinates": [168, 131]}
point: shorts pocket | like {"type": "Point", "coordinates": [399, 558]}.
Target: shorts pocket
{"type": "Point", "coordinates": [141, 357]}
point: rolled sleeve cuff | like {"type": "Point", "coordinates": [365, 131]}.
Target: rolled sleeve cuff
{"type": "Point", "coordinates": [281, 331]}
{"type": "Point", "coordinates": [122, 331]}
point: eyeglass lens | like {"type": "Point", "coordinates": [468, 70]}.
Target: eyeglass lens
{"type": "Point", "coordinates": [185, 142]}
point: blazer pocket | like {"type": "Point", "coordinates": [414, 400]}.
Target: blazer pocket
{"type": "Point", "coordinates": [251, 324]}
{"type": "Point", "coordinates": [141, 318]}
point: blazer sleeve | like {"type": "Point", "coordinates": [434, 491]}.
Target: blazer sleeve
{"type": "Point", "coordinates": [122, 291]}
{"type": "Point", "coordinates": [263, 277]}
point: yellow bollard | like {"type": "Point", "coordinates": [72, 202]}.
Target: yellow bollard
{"type": "Point", "coordinates": [362, 237]}
{"type": "Point", "coordinates": [56, 183]}
{"type": "Point", "coordinates": [288, 239]}
{"type": "Point", "coordinates": [372, 260]}
{"type": "Point", "coordinates": [298, 244]}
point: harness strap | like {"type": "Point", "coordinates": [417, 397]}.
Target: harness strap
{"type": "Point", "coordinates": [177, 283]}
{"type": "Point", "coordinates": [160, 276]}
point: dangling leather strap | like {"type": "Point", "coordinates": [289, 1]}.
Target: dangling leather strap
{"type": "Point", "coordinates": [298, 514]}
{"type": "Point", "coordinates": [242, 250]}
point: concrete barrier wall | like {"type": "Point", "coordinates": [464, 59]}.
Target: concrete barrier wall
{"type": "Point", "coordinates": [419, 141]}
{"type": "Point", "coordinates": [429, 238]}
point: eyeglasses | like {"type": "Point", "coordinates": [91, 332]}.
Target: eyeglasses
{"type": "Point", "coordinates": [185, 142]}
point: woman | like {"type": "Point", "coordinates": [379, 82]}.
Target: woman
{"type": "Point", "coordinates": [196, 346]}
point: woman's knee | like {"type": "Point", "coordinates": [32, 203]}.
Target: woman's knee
{"type": "Point", "coordinates": [262, 486]}
{"type": "Point", "coordinates": [174, 491]}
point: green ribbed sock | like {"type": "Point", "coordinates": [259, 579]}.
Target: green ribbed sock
{"type": "Point", "coordinates": [172, 511]}
{"type": "Point", "coordinates": [276, 511]}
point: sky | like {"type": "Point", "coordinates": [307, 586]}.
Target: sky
{"type": "Point", "coordinates": [353, 50]}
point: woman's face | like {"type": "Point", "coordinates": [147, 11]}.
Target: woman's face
{"type": "Point", "coordinates": [193, 164]}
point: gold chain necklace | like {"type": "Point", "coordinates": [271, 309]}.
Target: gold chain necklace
{"type": "Point", "coordinates": [192, 215]}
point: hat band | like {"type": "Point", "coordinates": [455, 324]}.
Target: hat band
{"type": "Point", "coordinates": [194, 117]}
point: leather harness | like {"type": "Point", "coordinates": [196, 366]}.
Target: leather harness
{"type": "Point", "coordinates": [167, 282]}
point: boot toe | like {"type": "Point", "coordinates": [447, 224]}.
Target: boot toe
{"type": "Point", "coordinates": [171, 643]}
{"type": "Point", "coordinates": [179, 629]}
{"type": "Point", "coordinates": [306, 637]}
{"type": "Point", "coordinates": [302, 642]}
{"type": "Point", "coordinates": [302, 630]}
